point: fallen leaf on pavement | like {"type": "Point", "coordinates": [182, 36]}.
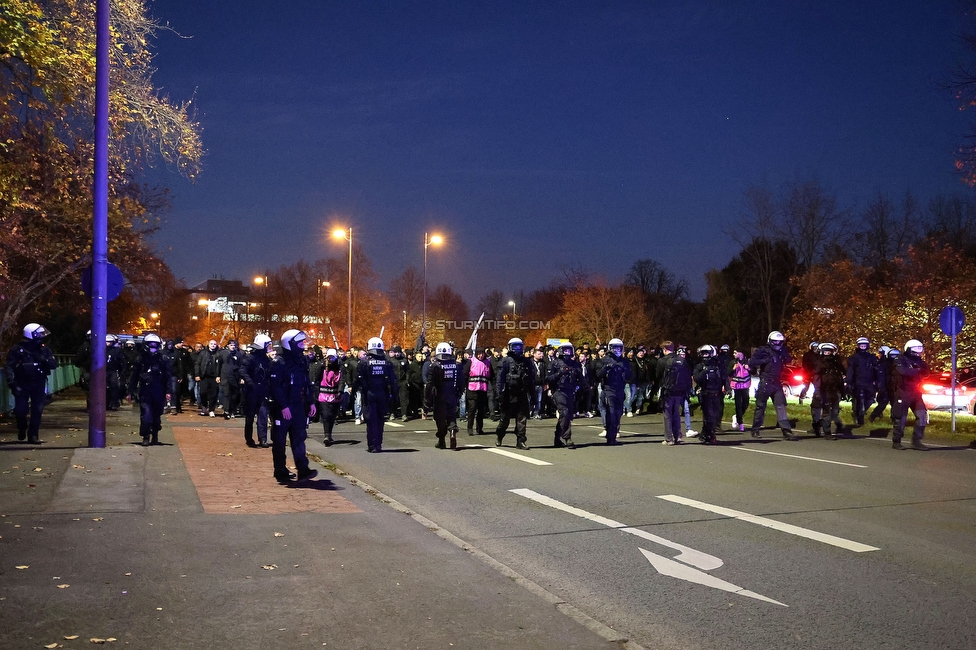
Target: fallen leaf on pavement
{"type": "Point", "coordinates": [279, 534]}
{"type": "Point", "coordinates": [96, 640]}
{"type": "Point", "coordinates": [269, 567]}
{"type": "Point", "coordinates": [51, 645]}
{"type": "Point", "coordinates": [63, 586]}
{"type": "Point", "coordinates": [237, 506]}
{"type": "Point", "coordinates": [99, 519]}
{"type": "Point", "coordinates": [71, 637]}
{"type": "Point", "coordinates": [78, 466]}
{"type": "Point", "coordinates": [23, 566]}
{"type": "Point", "coordinates": [38, 469]}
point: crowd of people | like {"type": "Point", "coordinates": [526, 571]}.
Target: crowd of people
{"type": "Point", "coordinates": [279, 389]}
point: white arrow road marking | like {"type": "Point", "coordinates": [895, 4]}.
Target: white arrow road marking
{"type": "Point", "coordinates": [663, 565]}
{"type": "Point", "coordinates": [524, 459]}
{"type": "Point", "coordinates": [857, 547]}
{"type": "Point", "coordinates": [673, 569]}
{"type": "Point", "coordinates": [819, 460]}
{"type": "Point", "coordinates": [685, 554]}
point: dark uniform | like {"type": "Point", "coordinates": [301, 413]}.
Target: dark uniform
{"type": "Point", "coordinates": [207, 371]}
{"type": "Point", "coordinates": [150, 382]}
{"type": "Point", "coordinates": [828, 380]}
{"type": "Point", "coordinates": [514, 388]}
{"type": "Point", "coordinates": [564, 377]}
{"type": "Point", "coordinates": [769, 361]}
{"type": "Point", "coordinates": [674, 378]}
{"type": "Point", "coordinates": [291, 389]}
{"type": "Point", "coordinates": [909, 372]}
{"type": "Point", "coordinates": [28, 365]}
{"type": "Point", "coordinates": [441, 396]}
{"type": "Point", "coordinates": [862, 382]}
{"type": "Point", "coordinates": [378, 383]}
{"type": "Point", "coordinates": [230, 379]}
{"type": "Point", "coordinates": [115, 370]}
{"type": "Point", "coordinates": [614, 374]}
{"type": "Point", "coordinates": [710, 377]}
{"type": "Point", "coordinates": [256, 372]}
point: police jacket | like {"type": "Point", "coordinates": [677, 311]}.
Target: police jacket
{"type": "Point", "coordinates": [290, 386]}
{"type": "Point", "coordinates": [114, 361]}
{"type": "Point", "coordinates": [377, 380]}
{"type": "Point", "coordinates": [444, 381]}
{"type": "Point", "coordinates": [862, 371]}
{"type": "Point", "coordinates": [28, 365]}
{"type": "Point", "coordinates": [710, 376]}
{"type": "Point", "coordinates": [769, 363]}
{"type": "Point", "coordinates": [613, 373]}
{"type": "Point", "coordinates": [909, 371]}
{"type": "Point", "coordinates": [828, 376]}
{"type": "Point", "coordinates": [565, 376]}
{"type": "Point", "coordinates": [256, 372]}
{"type": "Point", "coordinates": [150, 376]}
{"type": "Point", "coordinates": [516, 378]}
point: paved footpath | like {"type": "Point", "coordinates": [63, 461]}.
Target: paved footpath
{"type": "Point", "coordinates": [192, 544]}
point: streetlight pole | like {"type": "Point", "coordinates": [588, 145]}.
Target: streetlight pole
{"type": "Point", "coordinates": [347, 234]}
{"type": "Point", "coordinates": [512, 303]}
{"type": "Point", "coordinates": [318, 300]}
{"type": "Point", "coordinates": [436, 240]}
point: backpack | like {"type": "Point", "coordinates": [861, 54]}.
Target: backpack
{"type": "Point", "coordinates": [713, 378]}
{"type": "Point", "coordinates": [516, 374]}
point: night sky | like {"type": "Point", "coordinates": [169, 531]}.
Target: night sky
{"type": "Point", "coordinates": [538, 135]}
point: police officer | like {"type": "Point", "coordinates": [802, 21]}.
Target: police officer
{"type": "Point", "coordinates": [150, 381]}
{"type": "Point", "coordinates": [809, 362]}
{"type": "Point", "coordinates": [28, 365]}
{"type": "Point", "coordinates": [674, 378]}
{"type": "Point", "coordinates": [828, 377]}
{"type": "Point", "coordinates": [173, 390]}
{"type": "Point", "coordinates": [769, 361]}
{"type": "Point", "coordinates": [514, 388]}
{"type": "Point", "coordinates": [441, 393]}
{"type": "Point", "coordinates": [884, 378]}
{"type": "Point", "coordinates": [564, 377]}
{"type": "Point", "coordinates": [255, 372]}
{"type": "Point", "coordinates": [377, 383]}
{"type": "Point", "coordinates": [909, 371]}
{"type": "Point", "coordinates": [710, 375]}
{"type": "Point", "coordinates": [862, 379]}
{"type": "Point", "coordinates": [114, 372]}
{"type": "Point", "coordinates": [614, 373]}
{"type": "Point", "coordinates": [292, 402]}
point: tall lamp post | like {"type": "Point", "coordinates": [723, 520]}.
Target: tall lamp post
{"type": "Point", "coordinates": [318, 299]}
{"type": "Point", "coordinates": [512, 303]}
{"type": "Point", "coordinates": [341, 233]}
{"type": "Point", "coordinates": [436, 240]}
{"type": "Point", "coordinates": [262, 280]}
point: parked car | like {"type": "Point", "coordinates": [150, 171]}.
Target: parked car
{"type": "Point", "coordinates": [794, 379]}
{"type": "Point", "coordinates": [937, 393]}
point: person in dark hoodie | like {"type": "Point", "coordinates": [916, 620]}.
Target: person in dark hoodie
{"type": "Point", "coordinates": [256, 375]}
{"type": "Point", "coordinates": [230, 378]}
{"type": "Point", "coordinates": [292, 403]}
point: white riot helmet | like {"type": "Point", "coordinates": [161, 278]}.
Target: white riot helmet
{"type": "Point", "coordinates": [330, 353]}
{"type": "Point", "coordinates": [262, 341]}
{"type": "Point", "coordinates": [775, 339]}
{"type": "Point", "coordinates": [616, 347]}
{"type": "Point", "coordinates": [292, 340]}
{"type": "Point", "coordinates": [863, 341]}
{"type": "Point", "coordinates": [34, 332]}
{"type": "Point", "coordinates": [914, 345]}
{"type": "Point", "coordinates": [883, 350]}
{"type": "Point", "coordinates": [443, 348]}
{"type": "Point", "coordinates": [111, 339]}
{"type": "Point", "coordinates": [375, 343]}
{"type": "Point", "coordinates": [567, 348]}
{"type": "Point", "coordinates": [827, 348]}
{"type": "Point", "coordinates": [515, 345]}
{"type": "Point", "coordinates": [706, 351]}
{"type": "Point", "coordinates": [152, 340]}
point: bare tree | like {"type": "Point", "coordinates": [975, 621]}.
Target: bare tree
{"type": "Point", "coordinates": [652, 278]}
{"type": "Point", "coordinates": [886, 230]}
{"type": "Point", "coordinates": [492, 304]}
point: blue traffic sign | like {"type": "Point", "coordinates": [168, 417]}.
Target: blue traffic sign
{"type": "Point", "coordinates": [951, 320]}
{"type": "Point", "coordinates": [115, 282]}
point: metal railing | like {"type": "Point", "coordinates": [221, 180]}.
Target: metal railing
{"type": "Point", "coordinates": [64, 376]}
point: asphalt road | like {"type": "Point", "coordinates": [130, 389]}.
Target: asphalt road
{"type": "Point", "coordinates": [745, 544]}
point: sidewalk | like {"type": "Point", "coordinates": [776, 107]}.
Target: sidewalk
{"type": "Point", "coordinates": [192, 544]}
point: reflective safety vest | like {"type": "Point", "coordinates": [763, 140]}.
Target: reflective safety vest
{"type": "Point", "coordinates": [478, 375]}
{"type": "Point", "coordinates": [329, 388]}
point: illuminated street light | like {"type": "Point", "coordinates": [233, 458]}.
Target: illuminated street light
{"type": "Point", "coordinates": [436, 240]}
{"type": "Point", "coordinates": [340, 233]}
{"type": "Point", "coordinates": [512, 303]}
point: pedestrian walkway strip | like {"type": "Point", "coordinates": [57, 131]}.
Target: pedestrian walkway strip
{"type": "Point", "coordinates": [231, 478]}
{"type": "Point", "coordinates": [857, 547]}
{"type": "Point", "coordinates": [819, 460]}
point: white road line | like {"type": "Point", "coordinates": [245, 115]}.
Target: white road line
{"type": "Point", "coordinates": [619, 431]}
{"type": "Point", "coordinates": [819, 460]}
{"type": "Point", "coordinates": [524, 459]}
{"type": "Point", "coordinates": [394, 424]}
{"type": "Point", "coordinates": [857, 547]}
{"type": "Point", "coordinates": [888, 440]}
